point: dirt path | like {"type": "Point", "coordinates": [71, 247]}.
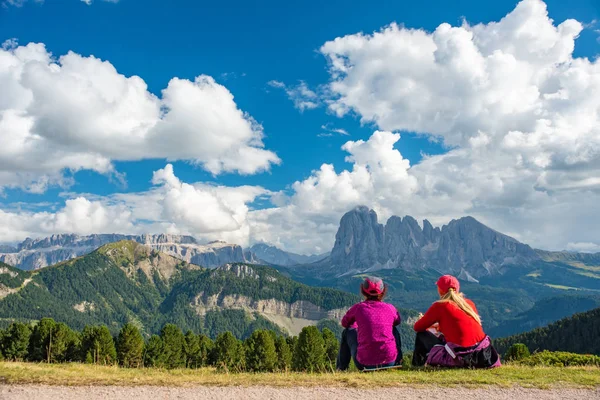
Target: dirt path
{"type": "Point", "coordinates": [36, 392]}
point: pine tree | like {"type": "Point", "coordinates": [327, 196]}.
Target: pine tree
{"type": "Point", "coordinates": [260, 352]}
{"type": "Point", "coordinates": [173, 341]}
{"type": "Point", "coordinates": [309, 354]}
{"type": "Point", "coordinates": [229, 352]}
{"type": "Point", "coordinates": [130, 346]}
{"type": "Point", "coordinates": [331, 348]}
{"type": "Point", "coordinates": [42, 340]}
{"type": "Point", "coordinates": [191, 350]}
{"type": "Point", "coordinates": [97, 345]}
{"type": "Point", "coordinates": [284, 354]}
{"type": "Point", "coordinates": [207, 346]}
{"type": "Point", "coordinates": [153, 352]}
{"type": "Point", "coordinates": [64, 343]}
{"type": "Point", "coordinates": [15, 341]}
{"type": "Point", "coordinates": [292, 341]}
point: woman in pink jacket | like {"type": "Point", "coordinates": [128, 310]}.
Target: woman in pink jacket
{"type": "Point", "coordinates": [370, 337]}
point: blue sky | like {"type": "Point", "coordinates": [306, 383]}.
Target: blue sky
{"type": "Point", "coordinates": [244, 46]}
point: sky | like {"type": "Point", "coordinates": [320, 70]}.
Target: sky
{"type": "Point", "coordinates": [266, 121]}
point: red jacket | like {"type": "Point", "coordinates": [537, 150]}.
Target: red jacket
{"type": "Point", "coordinates": [456, 325]}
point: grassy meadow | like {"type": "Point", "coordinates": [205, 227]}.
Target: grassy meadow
{"type": "Point", "coordinates": [76, 374]}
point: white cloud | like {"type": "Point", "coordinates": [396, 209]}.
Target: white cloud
{"type": "Point", "coordinates": [303, 97]}
{"type": "Point", "coordinates": [584, 247]}
{"type": "Point", "coordinates": [519, 114]}
{"type": "Point", "coordinates": [205, 211]}
{"type": "Point", "coordinates": [329, 129]}
{"type": "Point", "coordinates": [79, 113]}
{"type": "Point", "coordinates": [79, 215]}
{"type": "Point", "coordinates": [89, 2]}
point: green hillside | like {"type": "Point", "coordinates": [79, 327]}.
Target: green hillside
{"type": "Point", "coordinates": [546, 311]}
{"type": "Point", "coordinates": [127, 282]}
{"type": "Point", "coordinates": [576, 334]}
{"type": "Point", "coordinates": [500, 299]}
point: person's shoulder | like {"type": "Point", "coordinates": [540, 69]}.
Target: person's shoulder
{"type": "Point", "coordinates": [470, 302]}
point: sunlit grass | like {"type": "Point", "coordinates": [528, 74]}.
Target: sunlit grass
{"type": "Point", "coordinates": [80, 374]}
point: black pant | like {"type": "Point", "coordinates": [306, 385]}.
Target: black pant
{"type": "Point", "coordinates": [423, 345]}
{"type": "Point", "coordinates": [349, 348]}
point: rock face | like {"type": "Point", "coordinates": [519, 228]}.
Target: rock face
{"type": "Point", "coordinates": [38, 253]}
{"type": "Point", "coordinates": [464, 247]}
{"type": "Point", "coordinates": [274, 256]}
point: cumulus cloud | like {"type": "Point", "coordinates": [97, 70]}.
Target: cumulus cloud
{"type": "Point", "coordinates": [518, 113]}
{"type": "Point", "coordinates": [303, 97]}
{"type": "Point", "coordinates": [79, 215]}
{"type": "Point", "coordinates": [206, 211]}
{"type": "Point", "coordinates": [78, 112]}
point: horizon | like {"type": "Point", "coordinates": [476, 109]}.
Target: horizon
{"type": "Point", "coordinates": [250, 246]}
{"type": "Point", "coordinates": [248, 125]}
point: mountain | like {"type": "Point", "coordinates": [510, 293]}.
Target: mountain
{"type": "Point", "coordinates": [129, 282]}
{"type": "Point", "coordinates": [504, 277]}
{"type": "Point", "coordinates": [38, 253]}
{"type": "Point", "coordinates": [274, 256]}
{"type": "Point", "coordinates": [577, 334]}
{"type": "Point", "coordinates": [464, 247]}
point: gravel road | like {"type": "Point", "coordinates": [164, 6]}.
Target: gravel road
{"type": "Point", "coordinates": [37, 392]}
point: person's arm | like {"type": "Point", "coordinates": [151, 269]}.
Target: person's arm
{"type": "Point", "coordinates": [397, 318]}
{"type": "Point", "coordinates": [350, 317]}
{"type": "Point", "coordinates": [430, 318]}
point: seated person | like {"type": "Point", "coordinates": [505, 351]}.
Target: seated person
{"type": "Point", "coordinates": [370, 337]}
{"type": "Point", "coordinates": [450, 333]}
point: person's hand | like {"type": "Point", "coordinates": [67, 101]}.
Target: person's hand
{"type": "Point", "coordinates": [420, 315]}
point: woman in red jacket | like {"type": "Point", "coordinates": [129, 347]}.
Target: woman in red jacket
{"type": "Point", "coordinates": [450, 332]}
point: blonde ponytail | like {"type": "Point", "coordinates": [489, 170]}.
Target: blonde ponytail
{"type": "Point", "coordinates": [459, 300]}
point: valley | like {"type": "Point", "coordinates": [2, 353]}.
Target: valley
{"type": "Point", "coordinates": [155, 279]}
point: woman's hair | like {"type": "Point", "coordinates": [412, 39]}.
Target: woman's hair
{"type": "Point", "coordinates": [459, 300]}
{"type": "Point", "coordinates": [374, 297]}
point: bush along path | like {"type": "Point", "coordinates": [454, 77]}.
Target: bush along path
{"type": "Point", "coordinates": [313, 351]}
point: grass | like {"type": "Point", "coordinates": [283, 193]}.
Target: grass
{"type": "Point", "coordinates": [511, 375]}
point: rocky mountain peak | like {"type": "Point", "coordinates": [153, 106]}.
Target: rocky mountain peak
{"type": "Point", "coordinates": [465, 246]}
{"type": "Point", "coordinates": [359, 239]}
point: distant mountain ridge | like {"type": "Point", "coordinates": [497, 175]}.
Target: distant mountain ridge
{"type": "Point", "coordinates": [33, 254]}
{"type": "Point", "coordinates": [275, 256]}
{"type": "Point", "coordinates": [129, 282]}
{"type": "Point", "coordinates": [464, 247]}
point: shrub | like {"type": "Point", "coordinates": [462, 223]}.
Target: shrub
{"type": "Point", "coordinates": [173, 342]}
{"type": "Point", "coordinates": [309, 353]}
{"type": "Point", "coordinates": [260, 352]}
{"type": "Point", "coordinates": [332, 346]}
{"type": "Point", "coordinates": [97, 345]}
{"type": "Point", "coordinates": [15, 341]}
{"type": "Point", "coordinates": [153, 352]}
{"type": "Point", "coordinates": [191, 350]}
{"type": "Point", "coordinates": [561, 359]}
{"type": "Point", "coordinates": [206, 349]}
{"type": "Point", "coordinates": [229, 353]}
{"type": "Point", "coordinates": [130, 346]}
{"type": "Point", "coordinates": [517, 352]}
{"type": "Point", "coordinates": [284, 354]}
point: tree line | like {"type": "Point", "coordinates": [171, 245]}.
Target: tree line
{"type": "Point", "coordinates": [577, 334]}
{"type": "Point", "coordinates": [263, 351]}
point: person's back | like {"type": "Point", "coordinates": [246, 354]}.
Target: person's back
{"type": "Point", "coordinates": [370, 337]}
{"type": "Point", "coordinates": [375, 321]}
{"type": "Point", "coordinates": [462, 342]}
{"type": "Point", "coordinates": [456, 325]}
